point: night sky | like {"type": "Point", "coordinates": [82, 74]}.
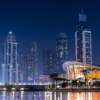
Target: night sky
{"type": "Point", "coordinates": [41, 20]}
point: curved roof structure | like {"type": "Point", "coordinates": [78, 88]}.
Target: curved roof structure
{"type": "Point", "coordinates": [77, 63]}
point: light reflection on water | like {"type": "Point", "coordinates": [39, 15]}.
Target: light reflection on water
{"type": "Point", "coordinates": [49, 95]}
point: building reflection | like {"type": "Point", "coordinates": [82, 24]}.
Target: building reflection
{"type": "Point", "coordinates": [49, 95]}
{"type": "Point", "coordinates": [69, 96]}
{"type": "Point", "coordinates": [12, 95]}
{"type": "Point", "coordinates": [16, 96]}
{"type": "Point", "coordinates": [3, 95]}
{"type": "Point", "coordinates": [22, 95]}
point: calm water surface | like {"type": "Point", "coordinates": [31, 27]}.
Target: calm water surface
{"type": "Point", "coordinates": [49, 95]}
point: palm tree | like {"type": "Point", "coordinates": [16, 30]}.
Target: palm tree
{"type": "Point", "coordinates": [85, 72]}
{"type": "Point", "coordinates": [53, 77]}
{"type": "Point", "coordinates": [95, 70]}
{"type": "Point", "coordinates": [64, 82]}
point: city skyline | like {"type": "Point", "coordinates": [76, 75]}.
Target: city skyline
{"type": "Point", "coordinates": [41, 21]}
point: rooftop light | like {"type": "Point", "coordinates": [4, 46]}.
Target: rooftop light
{"type": "Point", "coordinates": [10, 32]}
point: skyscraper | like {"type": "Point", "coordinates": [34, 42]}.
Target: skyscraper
{"type": "Point", "coordinates": [9, 63]}
{"type": "Point", "coordinates": [62, 51]}
{"type": "Point", "coordinates": [48, 61]}
{"type": "Point", "coordinates": [83, 40]}
{"type": "Point", "coordinates": [24, 67]}
{"type": "Point", "coordinates": [32, 63]}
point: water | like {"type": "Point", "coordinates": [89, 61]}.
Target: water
{"type": "Point", "coordinates": [49, 95]}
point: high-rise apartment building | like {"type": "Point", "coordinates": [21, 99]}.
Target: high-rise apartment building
{"type": "Point", "coordinates": [9, 63]}
{"type": "Point", "coordinates": [32, 71]}
{"type": "Point", "coordinates": [83, 40]}
{"type": "Point", "coordinates": [24, 67]}
{"type": "Point", "coordinates": [62, 52]}
{"type": "Point", "coordinates": [29, 66]}
{"type": "Point", "coordinates": [49, 61]}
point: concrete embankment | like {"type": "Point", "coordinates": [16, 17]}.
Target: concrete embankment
{"type": "Point", "coordinates": [75, 90]}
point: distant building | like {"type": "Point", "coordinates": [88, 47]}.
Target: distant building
{"type": "Point", "coordinates": [62, 52]}
{"type": "Point", "coordinates": [83, 41]}
{"type": "Point", "coordinates": [46, 78]}
{"type": "Point", "coordinates": [29, 65]}
{"type": "Point", "coordinates": [32, 63]}
{"type": "Point", "coordinates": [24, 67]}
{"type": "Point", "coordinates": [48, 61]}
{"type": "Point", "coordinates": [53, 59]}
{"type": "Point", "coordinates": [10, 62]}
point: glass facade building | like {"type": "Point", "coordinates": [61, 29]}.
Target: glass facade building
{"type": "Point", "coordinates": [49, 58]}
{"type": "Point", "coordinates": [24, 67]}
{"type": "Point", "coordinates": [32, 63]}
{"type": "Point", "coordinates": [74, 70]}
{"type": "Point", "coordinates": [62, 52]}
{"type": "Point", "coordinates": [9, 60]}
{"type": "Point", "coordinates": [83, 41]}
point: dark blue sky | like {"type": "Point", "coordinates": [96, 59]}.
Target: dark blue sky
{"type": "Point", "coordinates": [41, 20]}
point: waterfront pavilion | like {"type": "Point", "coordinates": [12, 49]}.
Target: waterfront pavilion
{"type": "Point", "coordinates": [74, 70]}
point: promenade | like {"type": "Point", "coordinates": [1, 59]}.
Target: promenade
{"type": "Point", "coordinates": [76, 89]}
{"type": "Point", "coordinates": [48, 88]}
{"type": "Point", "coordinates": [22, 87]}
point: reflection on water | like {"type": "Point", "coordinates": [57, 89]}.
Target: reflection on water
{"type": "Point", "coordinates": [49, 95]}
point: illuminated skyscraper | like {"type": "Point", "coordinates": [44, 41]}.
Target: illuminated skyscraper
{"type": "Point", "coordinates": [62, 52]}
{"type": "Point", "coordinates": [83, 40]}
{"type": "Point", "coordinates": [48, 61]}
{"type": "Point", "coordinates": [24, 67]}
{"type": "Point", "coordinates": [32, 63]}
{"type": "Point", "coordinates": [9, 63]}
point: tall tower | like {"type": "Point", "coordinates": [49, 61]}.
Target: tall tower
{"type": "Point", "coordinates": [24, 67]}
{"type": "Point", "coordinates": [83, 40]}
{"type": "Point", "coordinates": [62, 51]}
{"type": "Point", "coordinates": [9, 63]}
{"type": "Point", "coordinates": [48, 61]}
{"type": "Point", "coordinates": [32, 63]}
